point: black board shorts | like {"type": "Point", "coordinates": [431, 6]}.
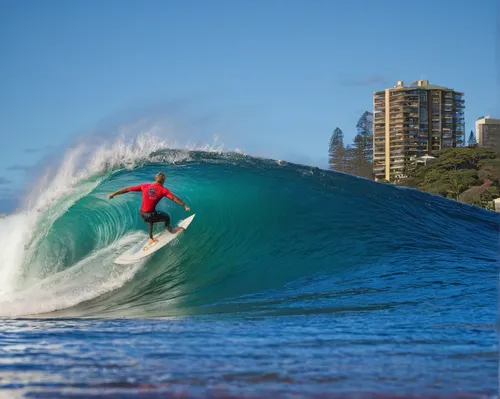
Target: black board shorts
{"type": "Point", "coordinates": [155, 217]}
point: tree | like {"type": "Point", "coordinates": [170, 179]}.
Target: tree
{"type": "Point", "coordinates": [468, 174]}
{"type": "Point", "coordinates": [336, 151]}
{"type": "Point", "coordinates": [365, 130]}
{"type": "Point", "coordinates": [489, 169]}
{"type": "Point", "coordinates": [472, 139]}
{"type": "Point", "coordinates": [349, 159]}
{"type": "Point", "coordinates": [358, 163]}
{"type": "Point", "coordinates": [459, 181]}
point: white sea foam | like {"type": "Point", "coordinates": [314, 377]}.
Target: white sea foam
{"type": "Point", "coordinates": [88, 279]}
{"type": "Point", "coordinates": [81, 169]}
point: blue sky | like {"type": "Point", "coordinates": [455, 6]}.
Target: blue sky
{"type": "Point", "coordinates": [272, 77]}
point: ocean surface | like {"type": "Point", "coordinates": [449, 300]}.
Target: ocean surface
{"type": "Point", "coordinates": [292, 281]}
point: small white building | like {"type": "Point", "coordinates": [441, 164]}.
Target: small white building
{"type": "Point", "coordinates": [487, 131]}
{"type": "Point", "coordinates": [496, 201]}
{"type": "Point", "coordinates": [424, 160]}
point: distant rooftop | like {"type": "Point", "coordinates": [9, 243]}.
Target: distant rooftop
{"type": "Point", "coordinates": [487, 117]}
{"type": "Point", "coordinates": [419, 84]}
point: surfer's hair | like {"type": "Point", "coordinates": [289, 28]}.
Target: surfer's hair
{"type": "Point", "coordinates": [160, 176]}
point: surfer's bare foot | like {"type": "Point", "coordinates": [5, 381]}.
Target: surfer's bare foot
{"type": "Point", "coordinates": [177, 229]}
{"type": "Point", "coordinates": [151, 241]}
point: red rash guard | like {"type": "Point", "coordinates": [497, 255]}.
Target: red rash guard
{"type": "Point", "coordinates": [152, 193]}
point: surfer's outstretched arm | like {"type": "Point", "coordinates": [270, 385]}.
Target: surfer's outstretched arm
{"type": "Point", "coordinates": [177, 200]}
{"type": "Point", "coordinates": [126, 190]}
{"type": "Point", "coordinates": [118, 192]}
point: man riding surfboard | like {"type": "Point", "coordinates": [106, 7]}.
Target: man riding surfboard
{"type": "Point", "coordinates": [152, 193]}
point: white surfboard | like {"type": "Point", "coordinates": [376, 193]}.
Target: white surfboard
{"type": "Point", "coordinates": [143, 249]}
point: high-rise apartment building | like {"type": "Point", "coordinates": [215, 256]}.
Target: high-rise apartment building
{"type": "Point", "coordinates": [488, 132]}
{"type": "Point", "coordinates": [412, 121]}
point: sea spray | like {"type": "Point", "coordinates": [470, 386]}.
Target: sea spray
{"type": "Point", "coordinates": [26, 256]}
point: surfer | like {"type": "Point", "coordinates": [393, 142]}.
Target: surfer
{"type": "Point", "coordinates": [152, 193]}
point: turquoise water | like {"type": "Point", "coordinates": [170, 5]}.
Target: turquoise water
{"type": "Point", "coordinates": [290, 279]}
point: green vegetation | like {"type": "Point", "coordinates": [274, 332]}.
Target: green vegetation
{"type": "Point", "coordinates": [466, 174]}
{"type": "Point", "coordinates": [355, 159]}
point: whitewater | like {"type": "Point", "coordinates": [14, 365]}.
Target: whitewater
{"type": "Point", "coordinates": [291, 279]}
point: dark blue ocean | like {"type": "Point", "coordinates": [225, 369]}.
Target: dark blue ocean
{"type": "Point", "coordinates": [292, 281]}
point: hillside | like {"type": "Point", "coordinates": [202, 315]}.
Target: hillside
{"type": "Point", "coordinates": [466, 174]}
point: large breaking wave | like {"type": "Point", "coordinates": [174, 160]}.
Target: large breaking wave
{"type": "Point", "coordinates": [269, 237]}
